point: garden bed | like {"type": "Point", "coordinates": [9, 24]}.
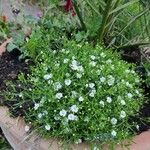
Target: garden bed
{"type": "Point", "coordinates": [73, 78]}
{"type": "Point", "coordinates": [10, 67]}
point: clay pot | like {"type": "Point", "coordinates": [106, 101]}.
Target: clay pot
{"type": "Point", "coordinates": [19, 139]}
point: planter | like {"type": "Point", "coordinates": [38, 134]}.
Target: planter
{"type": "Point", "coordinates": [14, 131]}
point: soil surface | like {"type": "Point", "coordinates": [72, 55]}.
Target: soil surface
{"type": "Point", "coordinates": [10, 67]}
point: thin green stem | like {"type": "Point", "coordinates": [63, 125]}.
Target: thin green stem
{"type": "Point", "coordinates": [104, 20]}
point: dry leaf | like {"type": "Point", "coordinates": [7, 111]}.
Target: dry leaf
{"type": "Point", "coordinates": [3, 45]}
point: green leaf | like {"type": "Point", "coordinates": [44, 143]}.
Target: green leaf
{"type": "Point", "coordinates": [11, 47]}
{"type": "Point", "coordinates": [123, 6]}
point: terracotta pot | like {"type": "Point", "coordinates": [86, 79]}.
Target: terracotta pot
{"type": "Point", "coordinates": [14, 131]}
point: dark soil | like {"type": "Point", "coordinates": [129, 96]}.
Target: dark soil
{"type": "Point", "coordinates": [10, 67]}
{"type": "Point", "coordinates": [133, 55]}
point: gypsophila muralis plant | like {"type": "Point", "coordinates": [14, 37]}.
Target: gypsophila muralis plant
{"type": "Point", "coordinates": [81, 93]}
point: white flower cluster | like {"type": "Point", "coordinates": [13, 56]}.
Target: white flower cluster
{"type": "Point", "coordinates": [76, 66]}
{"type": "Point", "coordinates": [71, 116]}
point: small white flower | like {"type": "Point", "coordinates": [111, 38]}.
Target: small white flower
{"type": "Point", "coordinates": [66, 61]}
{"type": "Point", "coordinates": [137, 92]}
{"type": "Point", "coordinates": [140, 95]}
{"type": "Point", "coordinates": [129, 95]}
{"type": "Point", "coordinates": [98, 72]}
{"type": "Point", "coordinates": [63, 50]}
{"type": "Point", "coordinates": [137, 127]}
{"type": "Point", "coordinates": [103, 55]}
{"type": "Point", "coordinates": [54, 51]}
{"type": "Point", "coordinates": [67, 75]}
{"type": "Point", "coordinates": [137, 80]}
{"type": "Point", "coordinates": [40, 115]}
{"type": "Point", "coordinates": [74, 94]}
{"type": "Point", "coordinates": [74, 62]}
{"type": "Point", "coordinates": [92, 57]}
{"type": "Point", "coordinates": [86, 85]}
{"type": "Point", "coordinates": [74, 65]}
{"type": "Point", "coordinates": [63, 113]}
{"type": "Point", "coordinates": [68, 82]}
{"type": "Point", "coordinates": [59, 95]}
{"type": "Point", "coordinates": [26, 128]}
{"type": "Point", "coordinates": [78, 141]}
{"type": "Point", "coordinates": [92, 93]}
{"type": "Point", "coordinates": [72, 117]}
{"type": "Point", "coordinates": [95, 148]}
{"type": "Point", "coordinates": [74, 108]}
{"type": "Point", "coordinates": [73, 57]}
{"type": "Point", "coordinates": [122, 114]}
{"type": "Point", "coordinates": [132, 71]}
{"type": "Point", "coordinates": [20, 95]}
{"type": "Point", "coordinates": [47, 127]}
{"type": "Point", "coordinates": [45, 112]}
{"type": "Point", "coordinates": [86, 119]}
{"type": "Point", "coordinates": [57, 64]}
{"type": "Point", "coordinates": [102, 79]}
{"type": "Point", "coordinates": [80, 68]}
{"type": "Point", "coordinates": [36, 106]}
{"type": "Point", "coordinates": [57, 118]}
{"type": "Point", "coordinates": [42, 100]}
{"type": "Point", "coordinates": [48, 76]}
{"type": "Point", "coordinates": [91, 85]}
{"type": "Point", "coordinates": [57, 86]}
{"type": "Point", "coordinates": [128, 85]}
{"type": "Point", "coordinates": [81, 99]}
{"type": "Point", "coordinates": [101, 67]}
{"type": "Point", "coordinates": [93, 63]}
{"type": "Point", "coordinates": [50, 82]}
{"type": "Point", "coordinates": [122, 102]}
{"type": "Point", "coordinates": [113, 133]}
{"type": "Point", "coordinates": [79, 45]}
{"type": "Point", "coordinates": [123, 81]}
{"type": "Point", "coordinates": [127, 71]}
{"type": "Point", "coordinates": [30, 89]}
{"type": "Point", "coordinates": [109, 61]}
{"type": "Point", "coordinates": [113, 121]}
{"type": "Point", "coordinates": [102, 103]}
{"type": "Point", "coordinates": [79, 75]}
{"type": "Point", "coordinates": [109, 99]}
{"type": "Point", "coordinates": [111, 81]}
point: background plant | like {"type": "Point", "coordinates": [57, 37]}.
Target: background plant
{"type": "Point", "coordinates": [4, 27]}
{"type": "Point", "coordinates": [112, 22]}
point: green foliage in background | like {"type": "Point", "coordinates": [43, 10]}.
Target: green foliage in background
{"type": "Point", "coordinates": [116, 22]}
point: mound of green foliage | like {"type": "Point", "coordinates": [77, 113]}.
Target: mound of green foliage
{"type": "Point", "coordinates": [80, 93]}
